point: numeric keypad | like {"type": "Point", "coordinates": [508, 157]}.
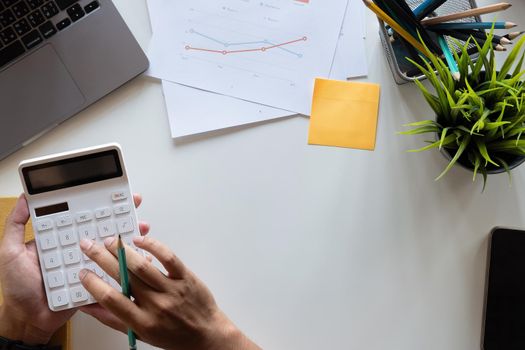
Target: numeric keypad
{"type": "Point", "coordinates": [59, 236]}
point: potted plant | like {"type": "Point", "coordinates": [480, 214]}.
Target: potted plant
{"type": "Point", "coordinates": [480, 118]}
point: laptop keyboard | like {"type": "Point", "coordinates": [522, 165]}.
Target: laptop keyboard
{"type": "Point", "coordinates": [24, 24]}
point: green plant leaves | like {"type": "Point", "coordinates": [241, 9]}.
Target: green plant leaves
{"type": "Point", "coordinates": [476, 162]}
{"type": "Point", "coordinates": [506, 167]}
{"type": "Point", "coordinates": [462, 146]}
{"type": "Point", "coordinates": [506, 145]}
{"type": "Point", "coordinates": [517, 70]}
{"type": "Point", "coordinates": [432, 100]}
{"type": "Point", "coordinates": [484, 153]}
{"type": "Point", "coordinates": [507, 65]}
{"type": "Point", "coordinates": [446, 141]}
{"type": "Point", "coordinates": [480, 118]}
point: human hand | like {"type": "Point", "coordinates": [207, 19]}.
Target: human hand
{"type": "Point", "coordinates": [25, 315]}
{"type": "Point", "coordinates": [173, 311]}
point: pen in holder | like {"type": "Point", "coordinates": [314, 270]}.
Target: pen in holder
{"type": "Point", "coordinates": [397, 50]}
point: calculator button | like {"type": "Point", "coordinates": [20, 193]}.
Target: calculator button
{"type": "Point", "coordinates": [44, 225]}
{"type": "Point", "coordinates": [64, 220]}
{"type": "Point", "coordinates": [106, 229]}
{"type": "Point", "coordinates": [121, 209]}
{"type": "Point", "coordinates": [59, 298]}
{"type": "Point", "coordinates": [67, 238]}
{"type": "Point", "coordinates": [102, 213]}
{"type": "Point", "coordinates": [78, 294]}
{"type": "Point", "coordinates": [87, 232]}
{"type": "Point", "coordinates": [118, 196]}
{"type": "Point", "coordinates": [72, 276]}
{"type": "Point", "coordinates": [71, 256]}
{"type": "Point", "coordinates": [125, 225]}
{"type": "Point", "coordinates": [47, 241]}
{"type": "Point", "coordinates": [51, 260]}
{"type": "Point", "coordinates": [84, 217]}
{"type": "Point", "coordinates": [55, 279]}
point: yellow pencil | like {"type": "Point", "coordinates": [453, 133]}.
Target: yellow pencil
{"type": "Point", "coordinates": [396, 27]}
{"type": "Point", "coordinates": [464, 14]}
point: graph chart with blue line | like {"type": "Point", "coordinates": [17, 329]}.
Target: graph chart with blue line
{"type": "Point", "coordinates": [244, 47]}
{"type": "Point", "coordinates": [265, 51]}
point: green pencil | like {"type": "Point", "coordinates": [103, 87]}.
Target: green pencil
{"type": "Point", "coordinates": [124, 282]}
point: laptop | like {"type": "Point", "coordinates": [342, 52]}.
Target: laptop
{"type": "Point", "coordinates": [56, 58]}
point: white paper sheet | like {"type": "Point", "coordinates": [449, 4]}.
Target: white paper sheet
{"type": "Point", "coordinates": [266, 51]}
{"type": "Point", "coordinates": [350, 55]}
{"type": "Point", "coordinates": [193, 111]}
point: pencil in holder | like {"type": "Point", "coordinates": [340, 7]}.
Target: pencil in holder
{"type": "Point", "coordinates": [396, 50]}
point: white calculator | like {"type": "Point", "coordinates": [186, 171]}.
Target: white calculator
{"type": "Point", "coordinates": [74, 195]}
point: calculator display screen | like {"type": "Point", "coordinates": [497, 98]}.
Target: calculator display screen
{"type": "Point", "coordinates": [72, 172]}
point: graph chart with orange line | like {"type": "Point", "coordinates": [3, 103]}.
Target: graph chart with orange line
{"type": "Point", "coordinates": [265, 51]}
{"type": "Point", "coordinates": [244, 47]}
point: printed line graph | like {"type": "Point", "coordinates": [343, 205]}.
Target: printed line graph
{"type": "Point", "coordinates": [266, 45]}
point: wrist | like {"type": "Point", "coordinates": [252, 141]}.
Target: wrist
{"type": "Point", "coordinates": [16, 329]}
{"type": "Point", "coordinates": [228, 337]}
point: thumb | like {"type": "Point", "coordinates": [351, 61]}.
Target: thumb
{"type": "Point", "coordinates": [15, 223]}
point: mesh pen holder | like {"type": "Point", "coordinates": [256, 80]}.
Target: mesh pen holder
{"type": "Point", "coordinates": [394, 54]}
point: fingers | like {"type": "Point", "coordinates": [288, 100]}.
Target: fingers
{"type": "Point", "coordinates": [123, 308]}
{"type": "Point", "coordinates": [139, 265]}
{"type": "Point", "coordinates": [109, 264]}
{"type": "Point", "coordinates": [102, 257]}
{"type": "Point", "coordinates": [104, 316]}
{"type": "Point", "coordinates": [137, 199]}
{"type": "Point", "coordinates": [164, 255]}
{"type": "Point", "coordinates": [144, 228]}
{"type": "Point", "coordinates": [16, 221]}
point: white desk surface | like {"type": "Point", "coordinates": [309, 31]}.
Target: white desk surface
{"type": "Point", "coordinates": [306, 247]}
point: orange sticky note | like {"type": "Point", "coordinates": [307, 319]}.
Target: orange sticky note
{"type": "Point", "coordinates": [344, 114]}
